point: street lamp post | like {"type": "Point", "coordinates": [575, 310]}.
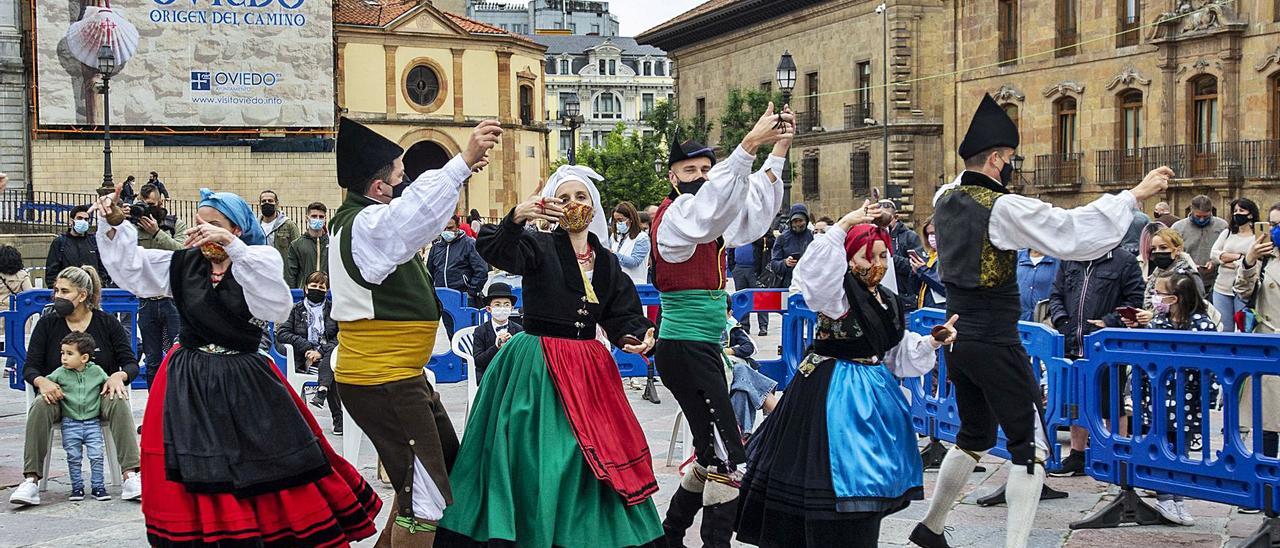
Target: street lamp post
{"type": "Point", "coordinates": [883, 10]}
{"type": "Point", "coordinates": [786, 75]}
{"type": "Point", "coordinates": [106, 65]}
{"type": "Point", "coordinates": [572, 119]}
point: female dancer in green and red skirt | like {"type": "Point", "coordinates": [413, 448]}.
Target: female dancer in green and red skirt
{"type": "Point", "coordinates": [553, 455]}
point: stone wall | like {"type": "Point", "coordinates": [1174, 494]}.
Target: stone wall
{"type": "Point", "coordinates": [67, 165]}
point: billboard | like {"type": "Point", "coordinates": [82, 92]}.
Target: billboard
{"type": "Point", "coordinates": [205, 63]}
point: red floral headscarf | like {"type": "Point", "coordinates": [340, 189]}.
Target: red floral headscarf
{"type": "Point", "coordinates": [865, 235]}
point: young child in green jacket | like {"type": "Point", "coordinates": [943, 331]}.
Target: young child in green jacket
{"type": "Point", "coordinates": [81, 381]}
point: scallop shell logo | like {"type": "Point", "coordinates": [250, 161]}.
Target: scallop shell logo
{"type": "Point", "coordinates": [101, 26]}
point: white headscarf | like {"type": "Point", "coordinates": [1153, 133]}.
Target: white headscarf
{"type": "Point", "coordinates": [586, 175]}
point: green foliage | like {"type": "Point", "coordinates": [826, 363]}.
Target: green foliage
{"type": "Point", "coordinates": [741, 111]}
{"type": "Point", "coordinates": [626, 159]}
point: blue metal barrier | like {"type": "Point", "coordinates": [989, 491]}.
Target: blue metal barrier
{"type": "Point", "coordinates": [744, 304]}
{"type": "Point", "coordinates": [117, 302]}
{"type": "Point", "coordinates": [933, 404]}
{"type": "Point", "coordinates": [1229, 472]}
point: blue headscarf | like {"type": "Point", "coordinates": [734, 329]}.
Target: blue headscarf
{"type": "Point", "coordinates": [238, 212]}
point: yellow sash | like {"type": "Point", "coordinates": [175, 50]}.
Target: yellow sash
{"type": "Point", "coordinates": [372, 352]}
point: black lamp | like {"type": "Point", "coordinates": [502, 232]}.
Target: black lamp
{"type": "Point", "coordinates": [106, 66]}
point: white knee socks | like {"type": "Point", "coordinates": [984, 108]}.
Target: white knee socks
{"type": "Point", "coordinates": [1023, 495]}
{"type": "Point", "coordinates": [952, 476]}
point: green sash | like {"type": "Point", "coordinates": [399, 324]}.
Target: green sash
{"type": "Point", "coordinates": [693, 315]}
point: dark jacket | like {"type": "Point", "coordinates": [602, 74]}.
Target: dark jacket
{"type": "Point", "coordinates": [294, 331]}
{"type": "Point", "coordinates": [790, 243]}
{"type": "Point", "coordinates": [127, 194]}
{"type": "Point", "coordinates": [484, 345]}
{"type": "Point", "coordinates": [753, 257]}
{"type": "Point", "coordinates": [904, 239]}
{"type": "Point", "coordinates": [1035, 281]}
{"type": "Point", "coordinates": [68, 250]}
{"type": "Point", "coordinates": [306, 255]}
{"type": "Point", "coordinates": [740, 342]}
{"type": "Point", "coordinates": [1092, 290]}
{"type": "Point", "coordinates": [112, 353]}
{"type": "Point", "coordinates": [457, 265]}
{"type": "Point", "coordinates": [927, 278]}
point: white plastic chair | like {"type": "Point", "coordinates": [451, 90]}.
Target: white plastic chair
{"type": "Point", "coordinates": [297, 380]}
{"type": "Point", "coordinates": [353, 436]}
{"type": "Point", "coordinates": [113, 472]}
{"type": "Point", "coordinates": [462, 344]}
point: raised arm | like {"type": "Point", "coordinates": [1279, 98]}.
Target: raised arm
{"type": "Point", "coordinates": [1080, 234]}
{"type": "Point", "coordinates": [385, 236]}
{"type": "Point", "coordinates": [764, 195]}
{"type": "Point", "coordinates": [820, 274]}
{"type": "Point", "coordinates": [143, 272]}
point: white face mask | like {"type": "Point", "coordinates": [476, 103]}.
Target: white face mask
{"type": "Point", "coordinates": [500, 313]}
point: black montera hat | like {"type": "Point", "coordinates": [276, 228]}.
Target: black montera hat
{"type": "Point", "coordinates": [990, 128]}
{"type": "Point", "coordinates": [684, 150]}
{"type": "Point", "coordinates": [362, 152]}
{"type": "Point", "coordinates": [498, 290]}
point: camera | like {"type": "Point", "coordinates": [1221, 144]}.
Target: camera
{"type": "Point", "coordinates": [136, 211]}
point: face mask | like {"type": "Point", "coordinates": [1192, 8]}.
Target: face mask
{"type": "Point", "coordinates": [1160, 307]}
{"type": "Point", "coordinates": [315, 224]}
{"type": "Point", "coordinates": [500, 313]}
{"type": "Point", "coordinates": [1201, 222]}
{"type": "Point", "coordinates": [158, 213]}
{"type": "Point", "coordinates": [1241, 220]}
{"type": "Point", "coordinates": [316, 296]}
{"type": "Point", "coordinates": [691, 187]}
{"type": "Point", "coordinates": [80, 226]}
{"type": "Point", "coordinates": [268, 210]}
{"type": "Point", "coordinates": [448, 236]}
{"type": "Point", "coordinates": [1275, 235]}
{"type": "Point", "coordinates": [621, 228]}
{"type": "Point", "coordinates": [63, 307]}
{"type": "Point", "coordinates": [1006, 174]}
{"type": "Point", "coordinates": [798, 230]}
{"type": "Point", "coordinates": [871, 277]}
{"type": "Point", "coordinates": [577, 216]}
{"type": "Point", "coordinates": [1162, 259]}
{"type": "Point", "coordinates": [933, 241]}
{"type": "Point", "coordinates": [214, 252]}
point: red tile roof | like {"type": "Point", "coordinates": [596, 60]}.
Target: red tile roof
{"type": "Point", "coordinates": [380, 13]}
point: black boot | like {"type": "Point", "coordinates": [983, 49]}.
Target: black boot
{"type": "Point", "coordinates": [717, 524]}
{"type": "Point", "coordinates": [680, 514]}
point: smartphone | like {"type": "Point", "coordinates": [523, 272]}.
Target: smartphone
{"type": "Point", "coordinates": [794, 256]}
{"type": "Point", "coordinates": [1128, 312]}
{"type": "Point", "coordinates": [875, 195]}
{"type": "Point", "coordinates": [1261, 227]}
{"type": "Point", "coordinates": [912, 253]}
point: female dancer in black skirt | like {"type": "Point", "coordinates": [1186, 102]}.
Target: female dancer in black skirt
{"type": "Point", "coordinates": [230, 456]}
{"type": "Point", "coordinates": [839, 454]}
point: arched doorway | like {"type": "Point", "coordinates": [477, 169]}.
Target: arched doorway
{"type": "Point", "coordinates": [422, 157]}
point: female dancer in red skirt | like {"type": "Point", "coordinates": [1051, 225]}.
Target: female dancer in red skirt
{"type": "Point", "coordinates": [230, 456]}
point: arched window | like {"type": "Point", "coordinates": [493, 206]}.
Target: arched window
{"type": "Point", "coordinates": [607, 106]}
{"type": "Point", "coordinates": [1204, 110]}
{"type": "Point", "coordinates": [1064, 135]}
{"type": "Point", "coordinates": [1012, 111]}
{"type": "Point", "coordinates": [1130, 120]}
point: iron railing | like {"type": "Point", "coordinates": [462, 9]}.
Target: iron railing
{"type": "Point", "coordinates": [1222, 160]}
{"type": "Point", "coordinates": [1008, 51]}
{"type": "Point", "coordinates": [806, 122]}
{"type": "Point", "coordinates": [1059, 170]}
{"type": "Point", "coordinates": [1116, 166]}
{"type": "Point", "coordinates": [54, 208]}
{"type": "Point", "coordinates": [857, 114]}
{"type": "Point", "coordinates": [1129, 33]}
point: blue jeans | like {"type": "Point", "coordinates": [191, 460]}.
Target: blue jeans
{"type": "Point", "coordinates": [85, 434]}
{"type": "Point", "coordinates": [158, 320]}
{"type": "Point", "coordinates": [1228, 305]}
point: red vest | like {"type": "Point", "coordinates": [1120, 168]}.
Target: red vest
{"type": "Point", "coordinates": [704, 270]}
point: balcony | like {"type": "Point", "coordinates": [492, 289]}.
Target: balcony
{"type": "Point", "coordinates": [807, 122]}
{"type": "Point", "coordinates": [857, 114]}
{"type": "Point", "coordinates": [1059, 171]}
{"type": "Point", "coordinates": [1223, 160]}
{"type": "Point", "coordinates": [1129, 33]}
{"type": "Point", "coordinates": [1008, 51]}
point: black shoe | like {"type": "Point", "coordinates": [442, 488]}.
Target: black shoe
{"type": "Point", "coordinates": [763, 332]}
{"type": "Point", "coordinates": [922, 536]}
{"type": "Point", "coordinates": [337, 429]}
{"type": "Point", "coordinates": [318, 399]}
{"type": "Point", "coordinates": [1072, 465]}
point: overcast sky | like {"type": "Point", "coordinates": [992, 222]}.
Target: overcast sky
{"type": "Point", "coordinates": [637, 16]}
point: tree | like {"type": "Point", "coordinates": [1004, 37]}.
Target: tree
{"type": "Point", "coordinates": [626, 161]}
{"type": "Point", "coordinates": [742, 109]}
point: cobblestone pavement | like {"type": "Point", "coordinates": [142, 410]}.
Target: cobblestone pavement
{"type": "Point", "coordinates": [119, 524]}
